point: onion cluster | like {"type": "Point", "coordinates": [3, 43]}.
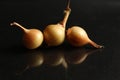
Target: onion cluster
{"type": "Point", "coordinates": [55, 34]}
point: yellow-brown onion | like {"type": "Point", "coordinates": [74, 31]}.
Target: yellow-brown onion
{"type": "Point", "coordinates": [78, 37]}
{"type": "Point", "coordinates": [32, 38]}
{"type": "Point", "coordinates": [54, 34]}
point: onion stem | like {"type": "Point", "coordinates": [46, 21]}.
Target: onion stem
{"type": "Point", "coordinates": [96, 45]}
{"type": "Point", "coordinates": [16, 24]}
{"type": "Point", "coordinates": [67, 12]}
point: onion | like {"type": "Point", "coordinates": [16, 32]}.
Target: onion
{"type": "Point", "coordinates": [54, 34]}
{"type": "Point", "coordinates": [32, 38]}
{"type": "Point", "coordinates": [78, 37]}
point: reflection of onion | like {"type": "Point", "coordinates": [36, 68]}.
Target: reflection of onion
{"type": "Point", "coordinates": [34, 60]}
{"type": "Point", "coordinates": [31, 59]}
{"type": "Point", "coordinates": [55, 59]}
{"type": "Point", "coordinates": [79, 56]}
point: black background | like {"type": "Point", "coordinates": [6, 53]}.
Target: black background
{"type": "Point", "coordinates": [100, 18]}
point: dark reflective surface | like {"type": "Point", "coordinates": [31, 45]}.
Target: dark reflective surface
{"type": "Point", "coordinates": [101, 20]}
{"type": "Point", "coordinates": [54, 63]}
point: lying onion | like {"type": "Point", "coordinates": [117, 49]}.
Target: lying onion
{"type": "Point", "coordinates": [77, 36]}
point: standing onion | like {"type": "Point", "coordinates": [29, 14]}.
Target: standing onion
{"type": "Point", "coordinates": [78, 37]}
{"type": "Point", "coordinates": [32, 38]}
{"type": "Point", "coordinates": [54, 34]}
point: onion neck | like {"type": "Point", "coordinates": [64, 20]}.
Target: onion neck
{"type": "Point", "coordinates": [64, 63]}
{"type": "Point", "coordinates": [20, 26]}
{"type": "Point", "coordinates": [67, 12]}
{"type": "Point", "coordinates": [95, 44]}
